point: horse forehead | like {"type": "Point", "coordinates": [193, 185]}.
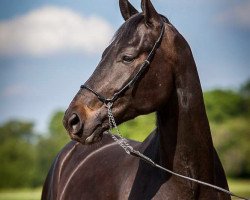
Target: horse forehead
{"type": "Point", "coordinates": [133, 38]}
{"type": "Point", "coordinates": [131, 30]}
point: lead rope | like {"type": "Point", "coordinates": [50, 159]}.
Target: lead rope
{"type": "Point", "coordinates": [112, 124]}
{"type": "Point", "coordinates": [123, 142]}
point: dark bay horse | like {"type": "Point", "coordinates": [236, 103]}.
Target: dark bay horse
{"type": "Point", "coordinates": [94, 167]}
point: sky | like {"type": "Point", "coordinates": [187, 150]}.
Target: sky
{"type": "Point", "coordinates": [48, 48]}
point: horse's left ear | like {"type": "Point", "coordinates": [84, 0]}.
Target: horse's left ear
{"type": "Point", "coordinates": [152, 18]}
{"type": "Point", "coordinates": [127, 10]}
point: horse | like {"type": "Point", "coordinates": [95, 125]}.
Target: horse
{"type": "Point", "coordinates": [148, 67]}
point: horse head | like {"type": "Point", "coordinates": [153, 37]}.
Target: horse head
{"type": "Point", "coordinates": [145, 38]}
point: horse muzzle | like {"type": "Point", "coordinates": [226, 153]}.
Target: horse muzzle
{"type": "Point", "coordinates": [86, 130]}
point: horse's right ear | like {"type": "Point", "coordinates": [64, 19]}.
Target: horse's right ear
{"type": "Point", "coordinates": [152, 18]}
{"type": "Point", "coordinates": [127, 10]}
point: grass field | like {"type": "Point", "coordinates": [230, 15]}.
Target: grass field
{"type": "Point", "coordinates": [21, 194]}
{"type": "Point", "coordinates": [240, 187]}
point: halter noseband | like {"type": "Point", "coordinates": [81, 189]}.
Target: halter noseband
{"type": "Point", "coordinates": [142, 69]}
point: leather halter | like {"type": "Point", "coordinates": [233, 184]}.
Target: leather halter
{"type": "Point", "coordinates": [142, 69]}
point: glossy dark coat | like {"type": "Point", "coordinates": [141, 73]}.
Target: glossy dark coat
{"type": "Point", "coordinates": [94, 167]}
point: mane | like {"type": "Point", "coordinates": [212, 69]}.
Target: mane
{"type": "Point", "coordinates": [130, 26]}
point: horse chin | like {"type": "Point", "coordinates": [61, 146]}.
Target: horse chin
{"type": "Point", "coordinates": [94, 137]}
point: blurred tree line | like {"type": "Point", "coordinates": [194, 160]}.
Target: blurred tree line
{"type": "Point", "coordinates": [25, 156]}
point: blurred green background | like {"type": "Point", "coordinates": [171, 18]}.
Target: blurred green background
{"type": "Point", "coordinates": [25, 156]}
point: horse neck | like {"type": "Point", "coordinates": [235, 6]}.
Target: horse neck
{"type": "Point", "coordinates": [185, 139]}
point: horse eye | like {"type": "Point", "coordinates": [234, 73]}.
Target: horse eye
{"type": "Point", "coordinates": [128, 59]}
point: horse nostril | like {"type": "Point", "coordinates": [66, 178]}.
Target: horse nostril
{"type": "Point", "coordinates": [75, 125]}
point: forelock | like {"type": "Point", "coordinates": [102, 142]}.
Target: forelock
{"type": "Point", "coordinates": [128, 28]}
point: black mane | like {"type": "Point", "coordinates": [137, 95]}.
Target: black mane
{"type": "Point", "coordinates": [130, 26]}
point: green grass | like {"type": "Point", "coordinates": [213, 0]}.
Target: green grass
{"type": "Point", "coordinates": [20, 194]}
{"type": "Point", "coordinates": [239, 187]}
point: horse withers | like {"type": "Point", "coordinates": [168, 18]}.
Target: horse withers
{"type": "Point", "coordinates": [148, 67]}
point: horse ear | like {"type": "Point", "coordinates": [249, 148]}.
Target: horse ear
{"type": "Point", "coordinates": [127, 10]}
{"type": "Point", "coordinates": [150, 14]}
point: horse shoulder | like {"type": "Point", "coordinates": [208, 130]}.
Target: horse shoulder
{"type": "Point", "coordinates": [78, 168]}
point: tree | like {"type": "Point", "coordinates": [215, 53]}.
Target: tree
{"type": "Point", "coordinates": [138, 128]}
{"type": "Point", "coordinates": [229, 116]}
{"type": "Point", "coordinates": [245, 92]}
{"type": "Point", "coordinates": [245, 89]}
{"type": "Point", "coordinates": [49, 146]}
{"type": "Point", "coordinates": [231, 139]}
{"type": "Point", "coordinates": [223, 104]}
{"type": "Point", "coordinates": [26, 157]}
{"type": "Point", "coordinates": [17, 156]}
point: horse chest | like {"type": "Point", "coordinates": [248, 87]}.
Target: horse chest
{"type": "Point", "coordinates": [145, 182]}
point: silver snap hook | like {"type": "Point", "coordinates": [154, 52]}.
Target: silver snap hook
{"type": "Point", "coordinates": [109, 105]}
{"type": "Point", "coordinates": [128, 149]}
